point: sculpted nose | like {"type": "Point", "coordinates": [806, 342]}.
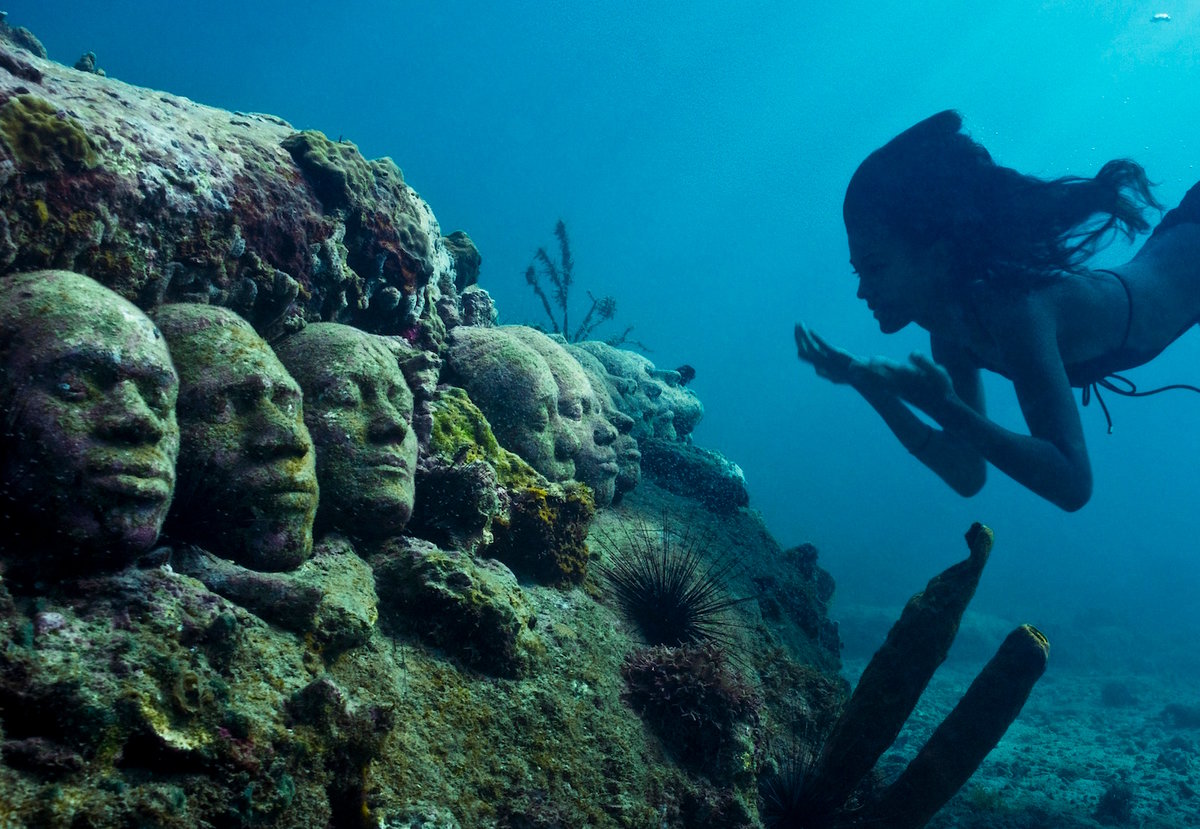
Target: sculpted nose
{"type": "Point", "coordinates": [622, 422]}
{"type": "Point", "coordinates": [277, 434]}
{"type": "Point", "coordinates": [127, 419]}
{"type": "Point", "coordinates": [387, 425]}
{"type": "Point", "coordinates": [604, 434]}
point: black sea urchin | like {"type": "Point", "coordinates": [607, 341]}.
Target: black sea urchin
{"type": "Point", "coordinates": [666, 586]}
{"type": "Point", "coordinates": [785, 796]}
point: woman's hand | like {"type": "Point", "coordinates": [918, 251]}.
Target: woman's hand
{"type": "Point", "coordinates": [833, 364]}
{"type": "Point", "coordinates": [920, 382]}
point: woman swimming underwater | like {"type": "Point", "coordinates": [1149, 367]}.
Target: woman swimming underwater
{"type": "Point", "coordinates": [991, 263]}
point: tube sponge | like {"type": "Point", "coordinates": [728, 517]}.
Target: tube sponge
{"type": "Point", "coordinates": [893, 680]}
{"type": "Point", "coordinates": [965, 737]}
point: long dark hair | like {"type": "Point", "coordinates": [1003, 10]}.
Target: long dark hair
{"type": "Point", "coordinates": [934, 183]}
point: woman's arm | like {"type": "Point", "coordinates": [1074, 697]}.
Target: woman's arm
{"type": "Point", "coordinates": [1051, 461]}
{"type": "Point", "coordinates": [949, 457]}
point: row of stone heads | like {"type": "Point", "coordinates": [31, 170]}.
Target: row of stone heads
{"type": "Point", "coordinates": [116, 424]}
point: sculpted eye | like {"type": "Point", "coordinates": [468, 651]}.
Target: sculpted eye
{"type": "Point", "coordinates": [213, 406]}
{"type": "Point", "coordinates": [341, 395]}
{"type": "Point", "coordinates": [243, 400]}
{"type": "Point", "coordinates": [159, 397]}
{"type": "Point", "coordinates": [71, 387]}
{"type": "Point", "coordinates": [400, 398]}
{"type": "Point", "coordinates": [288, 402]}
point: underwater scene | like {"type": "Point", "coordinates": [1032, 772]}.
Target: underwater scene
{"type": "Point", "coordinates": [599, 415]}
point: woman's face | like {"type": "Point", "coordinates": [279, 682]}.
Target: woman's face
{"type": "Point", "coordinates": [900, 283]}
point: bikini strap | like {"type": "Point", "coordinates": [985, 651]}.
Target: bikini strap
{"type": "Point", "coordinates": [1128, 304]}
{"type": "Point", "coordinates": [1122, 385]}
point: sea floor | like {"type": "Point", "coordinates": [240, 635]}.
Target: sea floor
{"type": "Point", "coordinates": [1088, 750]}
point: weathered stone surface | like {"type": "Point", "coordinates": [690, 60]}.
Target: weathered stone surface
{"type": "Point", "coordinates": [359, 410]}
{"type": "Point", "coordinates": [474, 610]}
{"type": "Point", "coordinates": [161, 198]}
{"type": "Point", "coordinates": [247, 468]}
{"type": "Point", "coordinates": [88, 436]}
{"type": "Point", "coordinates": [657, 400]}
{"type": "Point", "coordinates": [702, 474]}
{"type": "Point", "coordinates": [540, 401]}
{"type": "Point", "coordinates": [248, 684]}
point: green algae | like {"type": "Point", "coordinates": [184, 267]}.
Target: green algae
{"type": "Point", "coordinates": [462, 433]}
{"type": "Point", "coordinates": [42, 137]}
{"type": "Point", "coordinates": [336, 170]}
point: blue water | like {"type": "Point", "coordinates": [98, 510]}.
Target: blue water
{"type": "Point", "coordinates": [698, 153]}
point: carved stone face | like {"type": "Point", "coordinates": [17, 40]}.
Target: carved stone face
{"type": "Point", "coordinates": [513, 386]}
{"type": "Point", "coordinates": [580, 410]}
{"type": "Point", "coordinates": [656, 399]}
{"type": "Point", "coordinates": [359, 411]}
{"type": "Point", "coordinates": [89, 439]}
{"type": "Point", "coordinates": [629, 456]}
{"type": "Point", "coordinates": [247, 473]}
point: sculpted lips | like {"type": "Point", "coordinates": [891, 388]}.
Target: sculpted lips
{"type": "Point", "coordinates": [287, 490]}
{"type": "Point", "coordinates": [139, 481]}
{"type": "Point", "coordinates": [390, 463]}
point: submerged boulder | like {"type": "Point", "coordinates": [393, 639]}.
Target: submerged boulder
{"type": "Point", "coordinates": [163, 199]}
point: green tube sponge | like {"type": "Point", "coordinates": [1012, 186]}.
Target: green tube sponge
{"type": "Point", "coordinates": [893, 680]}
{"type": "Point", "coordinates": [971, 730]}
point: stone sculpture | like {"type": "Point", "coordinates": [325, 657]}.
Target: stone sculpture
{"type": "Point", "coordinates": [514, 387]}
{"type": "Point", "coordinates": [89, 436]}
{"type": "Point", "coordinates": [247, 476]}
{"type": "Point", "coordinates": [359, 412]}
{"type": "Point", "coordinates": [629, 455]}
{"type": "Point", "coordinates": [581, 411]}
{"type": "Point", "coordinates": [657, 400]}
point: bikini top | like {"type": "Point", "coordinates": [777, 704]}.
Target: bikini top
{"type": "Point", "coordinates": [1101, 372]}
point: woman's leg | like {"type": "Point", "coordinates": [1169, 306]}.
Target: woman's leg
{"type": "Point", "coordinates": [1187, 211]}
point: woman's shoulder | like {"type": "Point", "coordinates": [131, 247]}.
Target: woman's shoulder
{"type": "Point", "coordinates": [1006, 324]}
{"type": "Point", "coordinates": [996, 309]}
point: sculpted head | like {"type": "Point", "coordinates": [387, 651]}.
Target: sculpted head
{"type": "Point", "coordinates": [247, 475]}
{"type": "Point", "coordinates": [580, 409]}
{"type": "Point", "coordinates": [359, 411]}
{"type": "Point", "coordinates": [89, 439]}
{"type": "Point", "coordinates": [629, 457]}
{"type": "Point", "coordinates": [513, 386]}
{"type": "Point", "coordinates": [657, 400]}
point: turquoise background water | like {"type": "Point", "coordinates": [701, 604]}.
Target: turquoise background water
{"type": "Point", "coordinates": [698, 153]}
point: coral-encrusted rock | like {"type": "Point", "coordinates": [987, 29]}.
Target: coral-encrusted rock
{"type": "Point", "coordinates": [331, 597]}
{"type": "Point", "coordinates": [118, 679]}
{"type": "Point", "coordinates": [474, 610]}
{"type": "Point", "coordinates": [657, 399]}
{"type": "Point", "coordinates": [695, 473]}
{"type": "Point", "coordinates": [464, 474]}
{"type": "Point", "coordinates": [473, 494]}
{"type": "Point", "coordinates": [544, 535]}
{"type": "Point", "coordinates": [795, 596]}
{"type": "Point", "coordinates": [466, 260]}
{"type": "Point", "coordinates": [156, 196]}
{"type": "Point", "coordinates": [478, 307]}
{"type": "Point", "coordinates": [351, 737]}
